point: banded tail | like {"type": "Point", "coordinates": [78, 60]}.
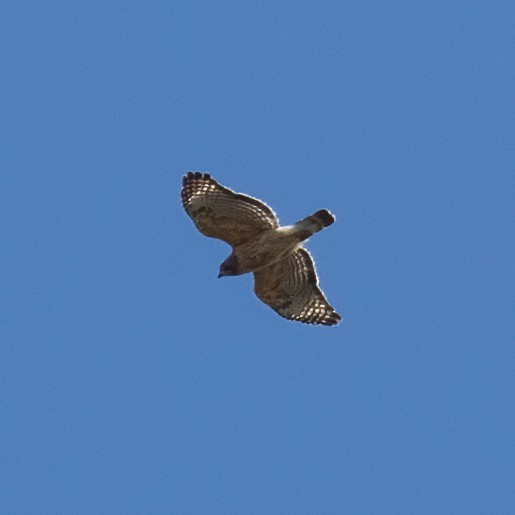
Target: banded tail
{"type": "Point", "coordinates": [314, 223]}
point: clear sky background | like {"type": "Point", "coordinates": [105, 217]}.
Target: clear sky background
{"type": "Point", "coordinates": [132, 380]}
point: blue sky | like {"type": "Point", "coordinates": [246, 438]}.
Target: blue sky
{"type": "Point", "coordinates": [132, 380]}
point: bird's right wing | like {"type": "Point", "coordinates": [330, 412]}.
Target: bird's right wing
{"type": "Point", "coordinates": [221, 213]}
{"type": "Point", "coordinates": [290, 287]}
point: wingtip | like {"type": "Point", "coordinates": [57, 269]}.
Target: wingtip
{"type": "Point", "coordinates": [336, 318]}
{"type": "Point", "coordinates": [332, 319]}
{"type": "Point", "coordinates": [195, 175]}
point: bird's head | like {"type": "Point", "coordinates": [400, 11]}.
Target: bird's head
{"type": "Point", "coordinates": [229, 266]}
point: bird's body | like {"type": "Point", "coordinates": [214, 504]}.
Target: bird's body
{"type": "Point", "coordinates": [269, 247]}
{"type": "Point", "coordinates": [285, 276]}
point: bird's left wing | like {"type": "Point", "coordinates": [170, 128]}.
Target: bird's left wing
{"type": "Point", "coordinates": [290, 287]}
{"type": "Point", "coordinates": [221, 213]}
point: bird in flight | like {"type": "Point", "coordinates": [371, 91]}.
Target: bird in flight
{"type": "Point", "coordinates": [285, 277]}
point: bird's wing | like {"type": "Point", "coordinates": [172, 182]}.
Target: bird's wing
{"type": "Point", "coordinates": [219, 212]}
{"type": "Point", "coordinates": [290, 287]}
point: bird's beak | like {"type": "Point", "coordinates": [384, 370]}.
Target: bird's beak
{"type": "Point", "coordinates": [220, 275]}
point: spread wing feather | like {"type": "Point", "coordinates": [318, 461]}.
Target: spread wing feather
{"type": "Point", "coordinates": [219, 212]}
{"type": "Point", "coordinates": [290, 287]}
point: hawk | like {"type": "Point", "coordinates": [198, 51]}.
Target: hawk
{"type": "Point", "coordinates": [284, 272]}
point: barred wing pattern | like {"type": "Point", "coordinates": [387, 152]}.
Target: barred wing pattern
{"type": "Point", "coordinates": [290, 287]}
{"type": "Point", "coordinates": [219, 212]}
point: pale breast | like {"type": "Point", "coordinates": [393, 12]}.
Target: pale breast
{"type": "Point", "coordinates": [267, 248]}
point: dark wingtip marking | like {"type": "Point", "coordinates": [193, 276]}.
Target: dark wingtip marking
{"type": "Point", "coordinates": [192, 176]}
{"type": "Point", "coordinates": [195, 176]}
{"type": "Point", "coordinates": [332, 319]}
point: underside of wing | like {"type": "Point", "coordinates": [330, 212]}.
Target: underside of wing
{"type": "Point", "coordinates": [290, 287]}
{"type": "Point", "coordinates": [219, 212]}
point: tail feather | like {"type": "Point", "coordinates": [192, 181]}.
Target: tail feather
{"type": "Point", "coordinates": [314, 223]}
{"type": "Point", "coordinates": [323, 217]}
